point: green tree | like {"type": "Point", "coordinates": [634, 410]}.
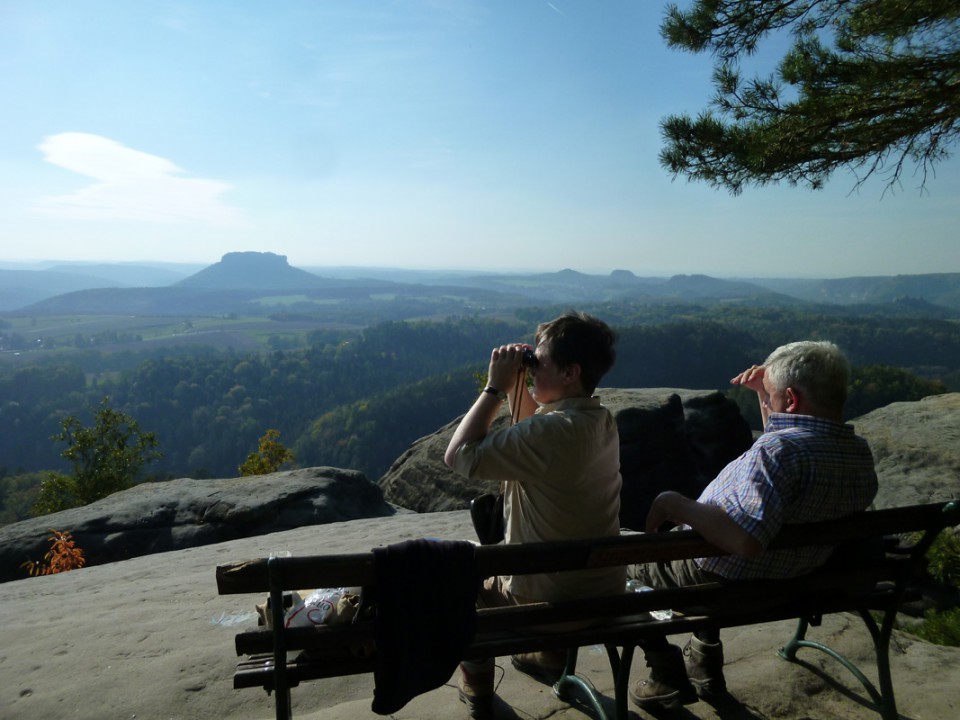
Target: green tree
{"type": "Point", "coordinates": [875, 386]}
{"type": "Point", "coordinates": [270, 456]}
{"type": "Point", "coordinates": [18, 494]}
{"type": "Point", "coordinates": [867, 85]}
{"type": "Point", "coordinates": [105, 458]}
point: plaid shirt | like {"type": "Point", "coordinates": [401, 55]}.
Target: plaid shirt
{"type": "Point", "coordinates": [802, 469]}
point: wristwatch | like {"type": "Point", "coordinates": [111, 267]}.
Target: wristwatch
{"type": "Point", "coordinates": [499, 394]}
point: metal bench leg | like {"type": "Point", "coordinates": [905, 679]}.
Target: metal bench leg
{"type": "Point", "coordinates": [281, 686]}
{"type": "Point", "coordinates": [570, 680]}
{"type": "Point", "coordinates": [622, 681]}
{"type": "Point", "coordinates": [884, 698]}
{"type": "Point", "coordinates": [789, 651]}
{"type": "Point", "coordinates": [881, 644]}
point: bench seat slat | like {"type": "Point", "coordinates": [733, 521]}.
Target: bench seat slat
{"type": "Point", "coordinates": [258, 671]}
{"type": "Point", "coordinates": [829, 588]}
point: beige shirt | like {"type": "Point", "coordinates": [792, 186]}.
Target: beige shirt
{"type": "Point", "coordinates": [562, 467]}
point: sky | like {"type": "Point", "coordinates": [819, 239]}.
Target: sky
{"type": "Point", "coordinates": [488, 135]}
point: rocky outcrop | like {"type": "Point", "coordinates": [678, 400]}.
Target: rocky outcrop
{"type": "Point", "coordinates": [681, 439]}
{"type": "Point", "coordinates": [916, 447]}
{"type": "Point", "coordinates": [184, 513]}
{"type": "Point", "coordinates": [672, 440]}
{"type": "Point", "coordinates": [669, 439]}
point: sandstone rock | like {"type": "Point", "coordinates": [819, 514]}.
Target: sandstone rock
{"type": "Point", "coordinates": [681, 439]}
{"type": "Point", "coordinates": [669, 439]}
{"type": "Point", "coordinates": [158, 517]}
{"type": "Point", "coordinates": [676, 439]}
{"type": "Point", "coordinates": [672, 440]}
{"type": "Point", "coordinates": [916, 448]}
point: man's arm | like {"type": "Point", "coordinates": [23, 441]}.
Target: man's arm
{"type": "Point", "coordinates": [710, 521]}
{"type": "Point", "coordinates": [505, 368]}
{"type": "Point", "coordinates": [474, 425]}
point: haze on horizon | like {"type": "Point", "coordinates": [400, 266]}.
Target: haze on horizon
{"type": "Point", "coordinates": [492, 135]}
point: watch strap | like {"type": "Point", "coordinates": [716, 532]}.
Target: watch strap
{"type": "Point", "coordinates": [499, 394]}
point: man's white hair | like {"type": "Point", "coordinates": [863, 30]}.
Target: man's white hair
{"type": "Point", "coordinates": [816, 367]}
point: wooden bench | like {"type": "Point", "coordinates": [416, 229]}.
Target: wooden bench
{"type": "Point", "coordinates": [874, 588]}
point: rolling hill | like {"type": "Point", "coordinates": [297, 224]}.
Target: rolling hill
{"type": "Point", "coordinates": [263, 283]}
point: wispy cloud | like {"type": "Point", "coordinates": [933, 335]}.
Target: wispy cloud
{"type": "Point", "coordinates": [556, 9]}
{"type": "Point", "coordinates": [130, 185]}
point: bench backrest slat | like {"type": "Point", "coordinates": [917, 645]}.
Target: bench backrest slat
{"type": "Point", "coordinates": [357, 569]}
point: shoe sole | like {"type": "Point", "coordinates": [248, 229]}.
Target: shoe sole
{"type": "Point", "coordinates": [671, 702]}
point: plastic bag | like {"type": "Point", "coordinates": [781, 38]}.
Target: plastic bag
{"type": "Point", "coordinates": [326, 606]}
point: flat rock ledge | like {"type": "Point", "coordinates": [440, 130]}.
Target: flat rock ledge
{"type": "Point", "coordinates": [177, 514]}
{"type": "Point", "coordinates": [150, 639]}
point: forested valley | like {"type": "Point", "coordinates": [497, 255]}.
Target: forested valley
{"type": "Point", "coordinates": [358, 399]}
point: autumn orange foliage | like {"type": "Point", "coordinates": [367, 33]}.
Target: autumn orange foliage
{"type": "Point", "coordinates": [63, 555]}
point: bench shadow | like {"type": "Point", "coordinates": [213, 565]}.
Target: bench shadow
{"type": "Point", "coordinates": [727, 707]}
{"type": "Point", "coordinates": [502, 710]}
{"type": "Point", "coordinates": [829, 679]}
{"type": "Point", "coordinates": [576, 697]}
{"type": "Point", "coordinates": [579, 702]}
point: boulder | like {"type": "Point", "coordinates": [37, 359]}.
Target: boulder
{"type": "Point", "coordinates": [178, 514]}
{"type": "Point", "coordinates": [669, 439]}
{"type": "Point", "coordinates": [672, 440]}
{"type": "Point", "coordinates": [916, 448]}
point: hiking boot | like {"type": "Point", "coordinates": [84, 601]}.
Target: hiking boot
{"type": "Point", "coordinates": [475, 688]}
{"type": "Point", "coordinates": [704, 663]}
{"type": "Point", "coordinates": [545, 666]}
{"type": "Point", "coordinates": [668, 686]}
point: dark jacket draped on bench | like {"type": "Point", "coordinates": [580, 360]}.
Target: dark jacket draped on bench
{"type": "Point", "coordinates": [426, 614]}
